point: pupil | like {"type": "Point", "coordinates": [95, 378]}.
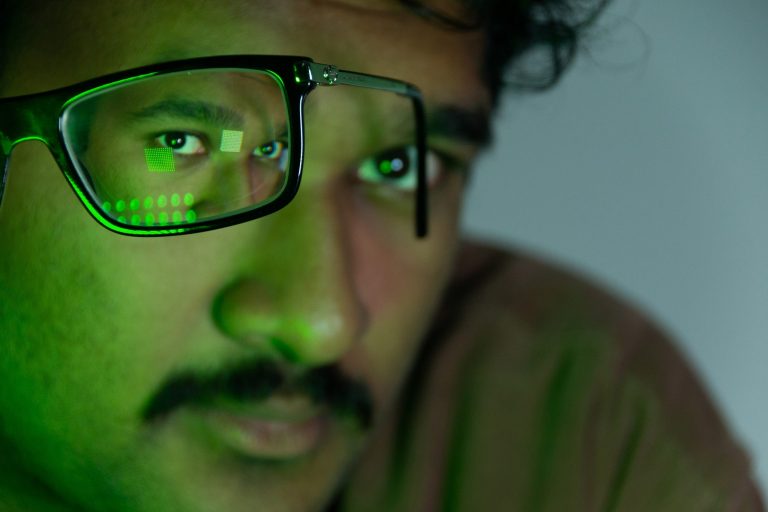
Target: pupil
{"type": "Point", "coordinates": [175, 140]}
{"type": "Point", "coordinates": [393, 164]}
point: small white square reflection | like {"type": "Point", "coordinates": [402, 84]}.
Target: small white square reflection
{"type": "Point", "coordinates": [231, 141]}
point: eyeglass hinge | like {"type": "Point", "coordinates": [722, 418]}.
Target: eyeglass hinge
{"type": "Point", "coordinates": [323, 74]}
{"type": "Point", "coordinates": [330, 74]}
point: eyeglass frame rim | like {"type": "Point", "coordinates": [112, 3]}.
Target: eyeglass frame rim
{"type": "Point", "coordinates": [39, 116]}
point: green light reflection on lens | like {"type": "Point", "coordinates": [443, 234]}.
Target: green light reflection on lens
{"type": "Point", "coordinates": [175, 200]}
{"type": "Point", "coordinates": [134, 204]}
{"type": "Point", "coordinates": [177, 217]}
{"type": "Point", "coordinates": [189, 199]}
{"type": "Point", "coordinates": [120, 205]}
{"type": "Point", "coordinates": [107, 206]}
{"type": "Point", "coordinates": [121, 219]}
{"type": "Point", "coordinates": [159, 159]}
{"type": "Point", "coordinates": [385, 167]}
{"type": "Point", "coordinates": [148, 203]}
{"type": "Point", "coordinates": [162, 218]}
{"type": "Point", "coordinates": [162, 201]}
{"type": "Point", "coordinates": [149, 219]}
{"type": "Point", "coordinates": [135, 219]}
{"type": "Point", "coordinates": [191, 216]}
{"type": "Point", "coordinates": [231, 141]}
{"type": "Point", "coordinates": [107, 86]}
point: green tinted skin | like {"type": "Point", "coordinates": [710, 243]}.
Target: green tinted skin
{"type": "Point", "coordinates": [93, 322]}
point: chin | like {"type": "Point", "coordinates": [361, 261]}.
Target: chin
{"type": "Point", "coordinates": [194, 473]}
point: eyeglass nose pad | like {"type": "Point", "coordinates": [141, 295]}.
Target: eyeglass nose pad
{"type": "Point", "coordinates": [5, 158]}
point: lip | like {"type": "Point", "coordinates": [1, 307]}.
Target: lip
{"type": "Point", "coordinates": [269, 432]}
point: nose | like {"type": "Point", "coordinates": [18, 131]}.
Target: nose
{"type": "Point", "coordinates": [296, 297]}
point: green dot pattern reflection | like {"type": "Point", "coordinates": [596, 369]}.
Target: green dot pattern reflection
{"type": "Point", "coordinates": [142, 211]}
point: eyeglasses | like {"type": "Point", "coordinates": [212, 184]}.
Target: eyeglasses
{"type": "Point", "coordinates": [199, 144]}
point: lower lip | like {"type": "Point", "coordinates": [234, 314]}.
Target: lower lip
{"type": "Point", "coordinates": [269, 439]}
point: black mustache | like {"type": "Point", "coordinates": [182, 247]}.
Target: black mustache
{"type": "Point", "coordinates": [258, 380]}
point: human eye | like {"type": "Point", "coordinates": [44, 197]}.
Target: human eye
{"type": "Point", "coordinates": [397, 168]}
{"type": "Point", "coordinates": [275, 152]}
{"type": "Point", "coordinates": [182, 143]}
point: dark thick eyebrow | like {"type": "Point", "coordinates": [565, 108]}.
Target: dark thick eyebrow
{"type": "Point", "coordinates": [464, 125]}
{"type": "Point", "coordinates": [192, 110]}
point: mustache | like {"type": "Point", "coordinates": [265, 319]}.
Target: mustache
{"type": "Point", "coordinates": [258, 380]}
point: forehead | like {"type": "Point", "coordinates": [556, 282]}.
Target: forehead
{"type": "Point", "coordinates": [375, 36]}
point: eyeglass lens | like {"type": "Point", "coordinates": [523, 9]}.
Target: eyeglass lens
{"type": "Point", "coordinates": [182, 147]}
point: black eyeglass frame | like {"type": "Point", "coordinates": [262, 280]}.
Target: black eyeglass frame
{"type": "Point", "coordinates": [39, 117]}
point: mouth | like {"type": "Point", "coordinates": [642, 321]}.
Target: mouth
{"type": "Point", "coordinates": [276, 430]}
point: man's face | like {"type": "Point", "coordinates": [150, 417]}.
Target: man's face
{"type": "Point", "coordinates": [123, 359]}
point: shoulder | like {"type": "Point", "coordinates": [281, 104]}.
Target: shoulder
{"type": "Point", "coordinates": [538, 390]}
{"type": "Point", "coordinates": [589, 398]}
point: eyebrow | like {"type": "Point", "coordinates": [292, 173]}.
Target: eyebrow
{"type": "Point", "coordinates": [461, 124]}
{"type": "Point", "coordinates": [192, 110]}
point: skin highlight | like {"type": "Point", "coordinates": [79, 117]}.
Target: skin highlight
{"type": "Point", "coordinates": [97, 323]}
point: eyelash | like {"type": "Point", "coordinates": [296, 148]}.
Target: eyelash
{"type": "Point", "coordinates": [203, 142]}
{"type": "Point", "coordinates": [378, 169]}
{"type": "Point", "coordinates": [439, 162]}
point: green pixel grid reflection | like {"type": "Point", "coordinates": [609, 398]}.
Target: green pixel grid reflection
{"type": "Point", "coordinates": [231, 141]}
{"type": "Point", "coordinates": [159, 159]}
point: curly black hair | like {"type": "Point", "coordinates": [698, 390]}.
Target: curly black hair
{"type": "Point", "coordinates": [516, 28]}
{"type": "Point", "coordinates": [512, 28]}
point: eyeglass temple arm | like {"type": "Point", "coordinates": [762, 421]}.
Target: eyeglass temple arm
{"type": "Point", "coordinates": [328, 75]}
{"type": "Point", "coordinates": [325, 74]}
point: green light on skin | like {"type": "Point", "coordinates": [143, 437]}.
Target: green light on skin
{"type": "Point", "coordinates": [285, 350]}
{"type": "Point", "coordinates": [298, 330]}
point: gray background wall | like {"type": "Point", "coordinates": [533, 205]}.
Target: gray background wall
{"type": "Point", "coordinates": [650, 173]}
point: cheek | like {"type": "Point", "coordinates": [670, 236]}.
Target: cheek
{"type": "Point", "coordinates": [393, 268]}
{"type": "Point", "coordinates": [87, 327]}
{"type": "Point", "coordinates": [399, 279]}
{"type": "Point", "coordinates": [91, 322]}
